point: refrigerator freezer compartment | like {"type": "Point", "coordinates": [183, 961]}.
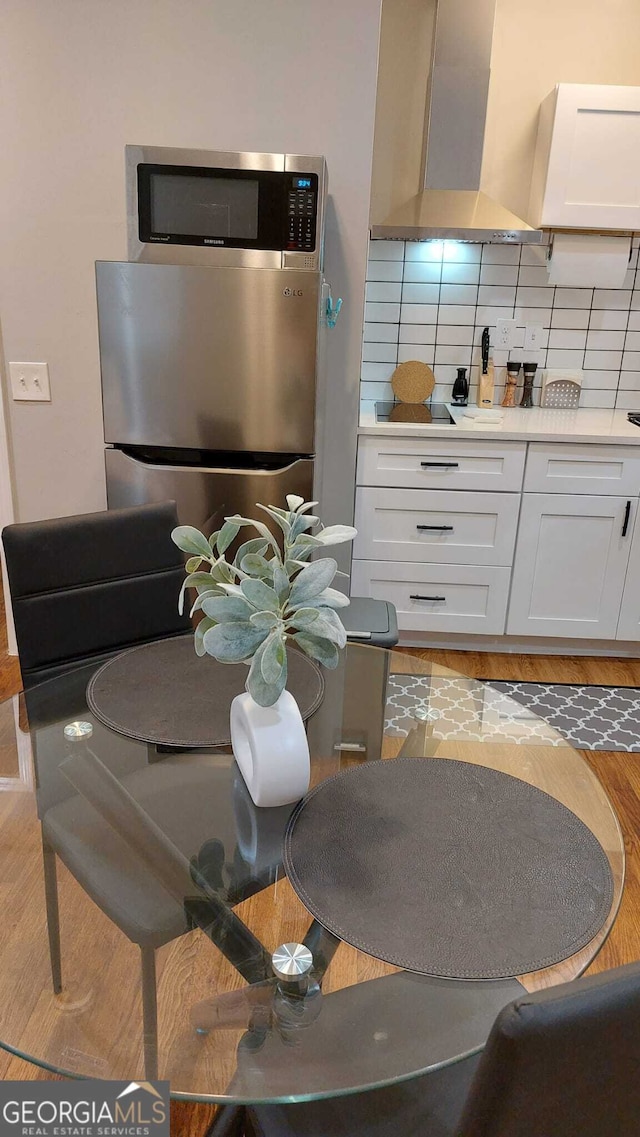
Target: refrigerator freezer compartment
{"type": "Point", "coordinates": [205, 495]}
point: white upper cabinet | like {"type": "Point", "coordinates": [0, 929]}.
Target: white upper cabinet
{"type": "Point", "coordinates": [587, 166]}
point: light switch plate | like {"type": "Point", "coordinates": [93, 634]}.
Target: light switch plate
{"type": "Point", "coordinates": [30, 382]}
{"type": "Point", "coordinates": [533, 337]}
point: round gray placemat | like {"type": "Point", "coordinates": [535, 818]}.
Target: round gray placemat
{"type": "Point", "coordinates": [165, 694]}
{"type": "Point", "coordinates": [447, 868]}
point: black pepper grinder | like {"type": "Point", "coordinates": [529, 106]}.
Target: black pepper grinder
{"type": "Point", "coordinates": [460, 393]}
{"type": "Point", "coordinates": [528, 371]}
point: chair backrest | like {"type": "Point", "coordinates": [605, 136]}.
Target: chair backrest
{"type": "Point", "coordinates": [563, 1062]}
{"type": "Point", "coordinates": [87, 585]}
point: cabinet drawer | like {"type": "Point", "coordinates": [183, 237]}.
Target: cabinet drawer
{"type": "Point", "coordinates": [460, 598]}
{"type": "Point", "coordinates": [564, 468]}
{"type": "Point", "coordinates": [424, 463]}
{"type": "Point", "coordinates": [436, 525]}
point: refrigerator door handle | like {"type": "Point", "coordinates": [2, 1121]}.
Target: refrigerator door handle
{"type": "Point", "coordinates": [251, 471]}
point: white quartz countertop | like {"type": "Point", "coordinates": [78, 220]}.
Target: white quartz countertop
{"type": "Point", "coordinates": [537, 424]}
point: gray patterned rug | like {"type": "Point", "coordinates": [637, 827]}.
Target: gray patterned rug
{"type": "Point", "coordinates": [587, 717]}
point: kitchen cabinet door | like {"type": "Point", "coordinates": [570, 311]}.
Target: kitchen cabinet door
{"type": "Point", "coordinates": [587, 164]}
{"type": "Point", "coordinates": [629, 622]}
{"type": "Point", "coordinates": [570, 565]}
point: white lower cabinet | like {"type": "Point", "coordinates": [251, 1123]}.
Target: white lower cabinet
{"type": "Point", "coordinates": [454, 526]}
{"type": "Point", "coordinates": [570, 566]}
{"type": "Point", "coordinates": [629, 622]}
{"type": "Point", "coordinates": [437, 598]}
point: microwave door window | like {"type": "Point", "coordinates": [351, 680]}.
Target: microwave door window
{"type": "Point", "coordinates": [210, 207]}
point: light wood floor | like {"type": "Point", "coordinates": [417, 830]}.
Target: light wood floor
{"type": "Point", "coordinates": [619, 773]}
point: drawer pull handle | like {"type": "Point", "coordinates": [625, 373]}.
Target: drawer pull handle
{"type": "Point", "coordinates": [437, 528]}
{"type": "Point", "coordinates": [625, 523]}
{"type": "Point", "coordinates": [416, 596]}
{"type": "Point", "coordinates": [442, 465]}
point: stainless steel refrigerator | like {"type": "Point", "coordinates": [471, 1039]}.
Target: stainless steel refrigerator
{"type": "Point", "coordinates": [209, 385]}
{"type": "Point", "coordinates": [209, 332]}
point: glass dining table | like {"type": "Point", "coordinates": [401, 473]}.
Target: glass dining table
{"type": "Point", "coordinates": [143, 894]}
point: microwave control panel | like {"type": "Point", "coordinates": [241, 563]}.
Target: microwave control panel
{"type": "Point", "coordinates": [302, 212]}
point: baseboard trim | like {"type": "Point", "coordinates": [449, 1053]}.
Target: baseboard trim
{"type": "Point", "coordinates": [512, 645]}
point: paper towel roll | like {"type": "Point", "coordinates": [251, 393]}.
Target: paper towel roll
{"type": "Point", "coordinates": [584, 260]}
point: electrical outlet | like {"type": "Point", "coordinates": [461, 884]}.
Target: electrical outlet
{"type": "Point", "coordinates": [533, 337]}
{"type": "Point", "coordinates": [30, 382]}
{"type": "Point", "coordinates": [505, 334]}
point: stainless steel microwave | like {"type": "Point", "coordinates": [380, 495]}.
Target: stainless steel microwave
{"type": "Point", "coordinates": [234, 210]}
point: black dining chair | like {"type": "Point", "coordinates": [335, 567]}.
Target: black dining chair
{"type": "Point", "coordinates": [562, 1062]}
{"type": "Point", "coordinates": [83, 588]}
{"type": "Point", "coordinates": [86, 586]}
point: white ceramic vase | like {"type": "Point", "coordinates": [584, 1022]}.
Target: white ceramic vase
{"type": "Point", "coordinates": [271, 749]}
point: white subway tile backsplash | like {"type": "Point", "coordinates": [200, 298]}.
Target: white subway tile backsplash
{"type": "Point", "coordinates": [445, 373]}
{"type": "Point", "coordinates": [386, 250]}
{"type": "Point", "coordinates": [605, 341]}
{"type": "Point", "coordinates": [422, 272]}
{"type": "Point", "coordinates": [617, 298]}
{"type": "Point", "coordinates": [382, 391]}
{"type": "Point", "coordinates": [454, 273]}
{"type": "Point", "coordinates": [607, 360]}
{"type": "Point", "coordinates": [458, 334]}
{"type": "Point", "coordinates": [629, 381]}
{"type": "Point", "coordinates": [458, 293]}
{"type": "Point", "coordinates": [533, 275]}
{"type": "Point", "coordinates": [600, 380]}
{"type": "Point", "coordinates": [456, 314]}
{"type": "Point", "coordinates": [604, 319]}
{"type": "Point", "coordinates": [382, 313]}
{"type": "Point", "coordinates": [419, 314]}
{"type": "Point", "coordinates": [379, 352]}
{"type": "Point", "coordinates": [431, 301]}
{"type": "Point", "coordinates": [420, 293]}
{"type": "Point", "coordinates": [628, 401]}
{"type": "Point", "coordinates": [501, 254]}
{"type": "Point", "coordinates": [384, 270]}
{"type": "Point", "coordinates": [560, 357]}
{"type": "Point", "coordinates": [533, 316]}
{"type": "Point", "coordinates": [381, 333]}
{"type": "Point", "coordinates": [461, 252]}
{"type": "Point", "coordinates": [384, 291]}
{"type": "Point", "coordinates": [497, 295]}
{"type": "Point", "coordinates": [423, 251]}
{"type": "Point", "coordinates": [498, 274]}
{"type": "Point", "coordinates": [534, 297]}
{"type": "Point", "coordinates": [488, 316]}
{"type": "Point", "coordinates": [460, 356]}
{"type": "Point", "coordinates": [570, 318]}
{"type": "Point", "coordinates": [602, 399]}
{"type": "Point", "coordinates": [561, 337]}
{"type": "Point", "coordinates": [375, 371]}
{"type": "Point", "coordinates": [573, 298]}
{"type": "Point", "coordinates": [534, 255]}
{"type": "Point", "coordinates": [417, 333]}
{"type": "Point", "coordinates": [422, 352]}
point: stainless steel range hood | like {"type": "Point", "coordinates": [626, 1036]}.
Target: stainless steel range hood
{"type": "Point", "coordinates": [452, 205]}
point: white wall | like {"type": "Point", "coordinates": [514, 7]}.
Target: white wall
{"type": "Point", "coordinates": [78, 80]}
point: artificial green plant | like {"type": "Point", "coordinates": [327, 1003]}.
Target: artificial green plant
{"type": "Point", "coordinates": [267, 594]}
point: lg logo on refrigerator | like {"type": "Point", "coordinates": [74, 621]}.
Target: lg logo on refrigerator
{"type": "Point", "coordinates": [292, 292]}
